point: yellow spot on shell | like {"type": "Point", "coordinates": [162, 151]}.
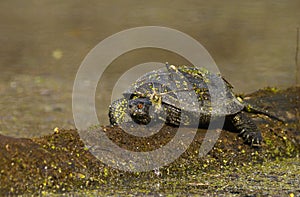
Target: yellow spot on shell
{"type": "Point", "coordinates": [105, 172]}
{"type": "Point", "coordinates": [56, 130]}
{"type": "Point", "coordinates": [239, 99]}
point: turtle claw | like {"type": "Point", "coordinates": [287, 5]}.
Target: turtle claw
{"type": "Point", "coordinates": [256, 142]}
{"type": "Point", "coordinates": [251, 137]}
{"type": "Point", "coordinates": [248, 130]}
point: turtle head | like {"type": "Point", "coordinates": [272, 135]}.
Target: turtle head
{"type": "Point", "coordinates": [139, 110]}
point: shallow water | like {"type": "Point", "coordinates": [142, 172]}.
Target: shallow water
{"type": "Point", "coordinates": [252, 43]}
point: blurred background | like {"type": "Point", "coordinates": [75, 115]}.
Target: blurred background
{"type": "Point", "coordinates": [44, 42]}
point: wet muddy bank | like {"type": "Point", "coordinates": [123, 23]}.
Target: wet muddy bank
{"type": "Point", "coordinates": [60, 162]}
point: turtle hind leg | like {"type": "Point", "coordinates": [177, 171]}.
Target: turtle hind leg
{"type": "Point", "coordinates": [247, 129]}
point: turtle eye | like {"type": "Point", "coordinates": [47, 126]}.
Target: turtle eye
{"type": "Point", "coordinates": [140, 106]}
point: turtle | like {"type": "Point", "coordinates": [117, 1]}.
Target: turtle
{"type": "Point", "coordinates": [186, 95]}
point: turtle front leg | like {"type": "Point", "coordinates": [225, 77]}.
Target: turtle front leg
{"type": "Point", "coordinates": [248, 130]}
{"type": "Point", "coordinates": [117, 111]}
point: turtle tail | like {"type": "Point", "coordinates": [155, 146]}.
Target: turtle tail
{"type": "Point", "coordinates": [256, 110]}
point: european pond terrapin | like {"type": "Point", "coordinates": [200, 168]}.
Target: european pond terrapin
{"type": "Point", "coordinates": [185, 95]}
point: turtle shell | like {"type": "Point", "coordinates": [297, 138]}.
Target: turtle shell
{"type": "Point", "coordinates": [187, 88]}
